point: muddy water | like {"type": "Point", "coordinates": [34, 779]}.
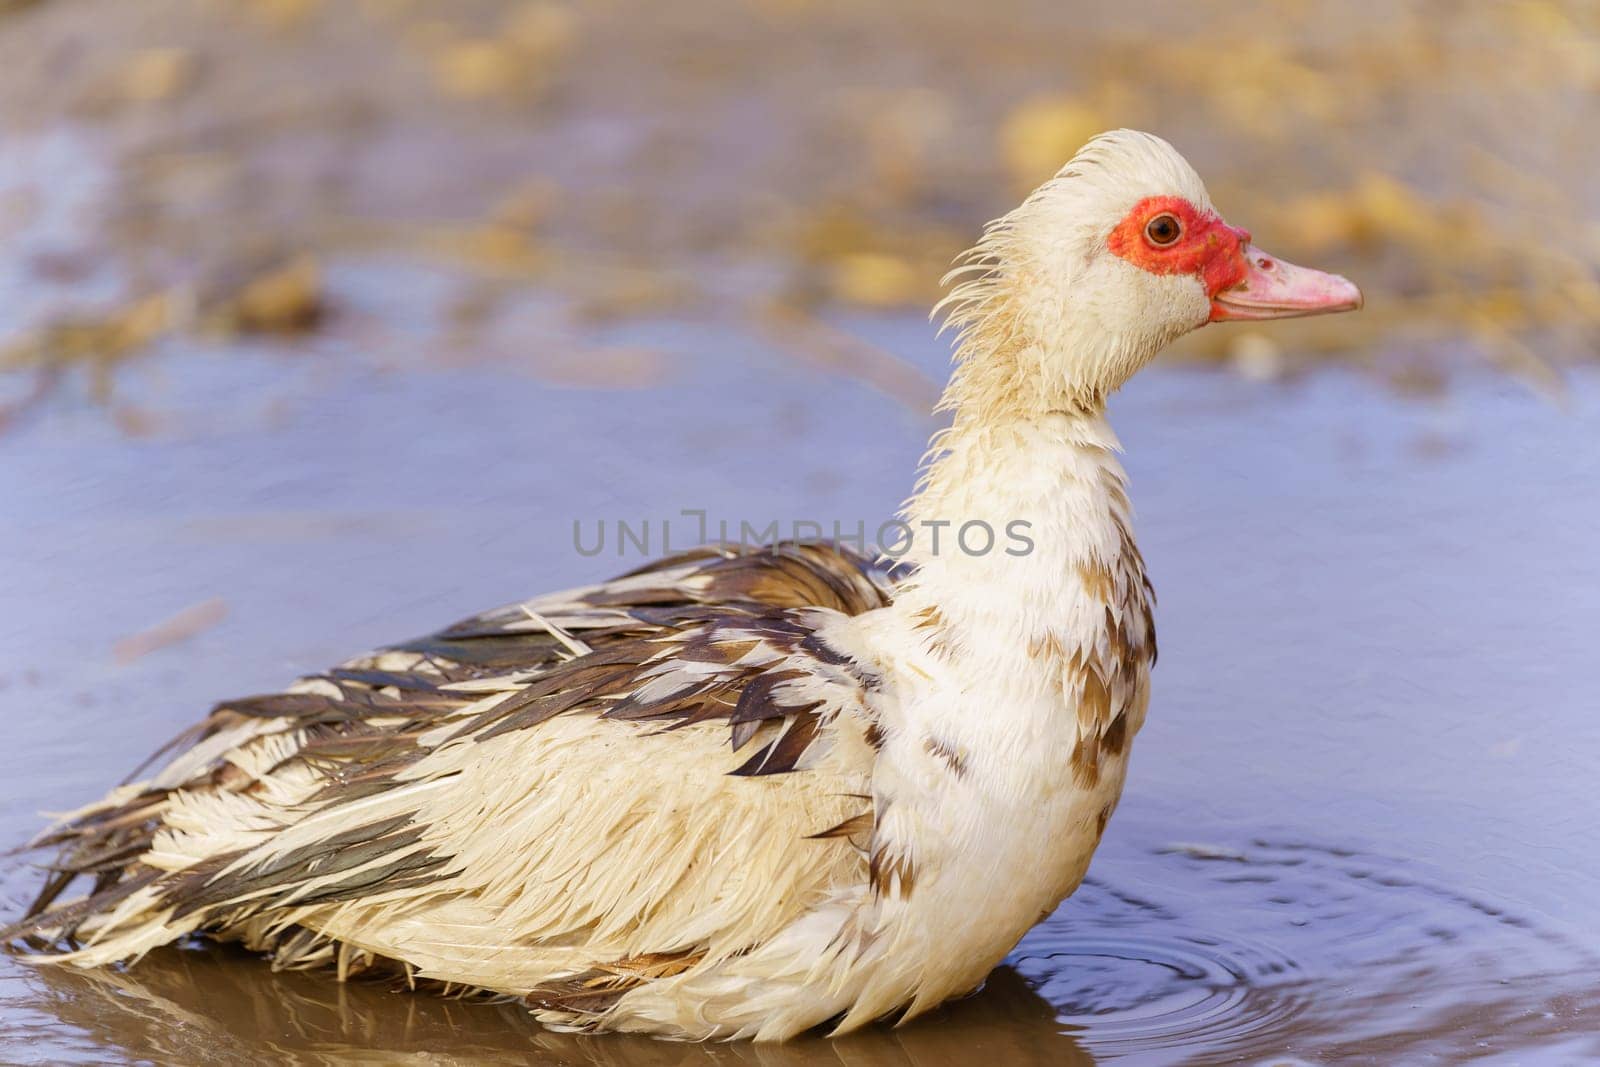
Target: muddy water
{"type": "Point", "coordinates": [1359, 826]}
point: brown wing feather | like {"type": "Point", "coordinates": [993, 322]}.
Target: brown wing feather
{"type": "Point", "coordinates": [745, 619]}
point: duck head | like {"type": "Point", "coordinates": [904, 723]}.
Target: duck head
{"type": "Point", "coordinates": [1101, 267]}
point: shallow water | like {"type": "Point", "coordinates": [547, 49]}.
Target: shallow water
{"type": "Point", "coordinates": [1360, 822]}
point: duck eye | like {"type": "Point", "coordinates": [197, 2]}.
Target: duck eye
{"type": "Point", "coordinates": [1163, 230]}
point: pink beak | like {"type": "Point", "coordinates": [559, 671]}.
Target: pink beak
{"type": "Point", "coordinates": [1273, 289]}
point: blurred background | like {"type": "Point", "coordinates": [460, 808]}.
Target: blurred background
{"type": "Point", "coordinates": [216, 168]}
{"type": "Point", "coordinates": [323, 321]}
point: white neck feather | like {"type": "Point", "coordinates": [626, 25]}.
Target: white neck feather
{"type": "Point", "coordinates": [1052, 491]}
{"type": "Point", "coordinates": [1045, 333]}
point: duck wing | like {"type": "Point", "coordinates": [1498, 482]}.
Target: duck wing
{"type": "Point", "coordinates": [557, 799]}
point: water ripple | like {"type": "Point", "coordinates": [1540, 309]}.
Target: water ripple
{"type": "Point", "coordinates": [1204, 950]}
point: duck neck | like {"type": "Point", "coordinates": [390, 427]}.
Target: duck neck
{"type": "Point", "coordinates": [1061, 568]}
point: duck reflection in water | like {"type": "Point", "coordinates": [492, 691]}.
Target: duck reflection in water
{"type": "Point", "coordinates": [200, 1005]}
